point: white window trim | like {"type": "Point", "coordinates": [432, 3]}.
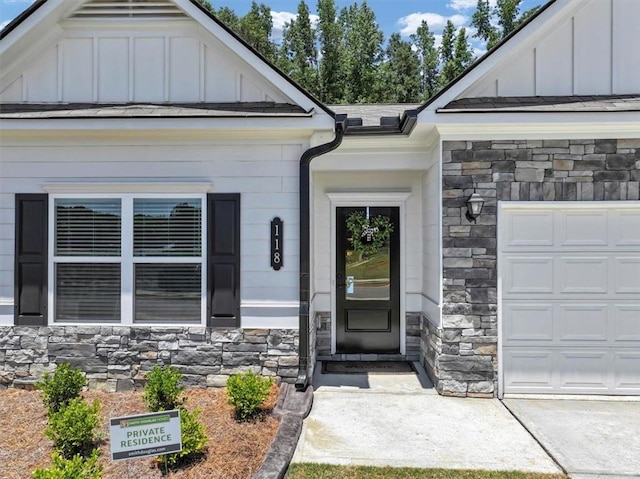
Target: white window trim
{"type": "Point", "coordinates": [126, 259]}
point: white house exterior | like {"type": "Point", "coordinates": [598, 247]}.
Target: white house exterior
{"type": "Point", "coordinates": [146, 151]}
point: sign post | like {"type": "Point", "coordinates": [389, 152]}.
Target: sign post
{"type": "Point", "coordinates": [145, 435]}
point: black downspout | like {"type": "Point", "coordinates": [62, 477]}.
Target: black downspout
{"type": "Point", "coordinates": [305, 161]}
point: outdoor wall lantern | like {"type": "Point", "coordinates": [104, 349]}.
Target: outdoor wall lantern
{"type": "Point", "coordinates": [474, 206]}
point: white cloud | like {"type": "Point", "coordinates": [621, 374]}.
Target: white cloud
{"type": "Point", "coordinates": [461, 5]}
{"type": "Point", "coordinates": [410, 23]}
{"type": "Point", "coordinates": [281, 18]}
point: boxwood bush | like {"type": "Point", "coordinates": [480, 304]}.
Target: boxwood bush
{"type": "Point", "coordinates": [247, 393]}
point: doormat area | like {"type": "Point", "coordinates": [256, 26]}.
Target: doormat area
{"type": "Point", "coordinates": [367, 367]}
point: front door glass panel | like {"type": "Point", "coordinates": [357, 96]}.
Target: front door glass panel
{"type": "Point", "coordinates": [368, 256]}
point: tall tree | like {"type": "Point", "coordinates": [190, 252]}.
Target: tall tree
{"type": "Point", "coordinates": [363, 39]}
{"type": "Point", "coordinates": [462, 58]}
{"type": "Point", "coordinates": [400, 72]}
{"type": "Point", "coordinates": [330, 33]}
{"type": "Point", "coordinates": [507, 12]}
{"type": "Point", "coordinates": [446, 48]}
{"type": "Point", "coordinates": [229, 18]}
{"type": "Point", "coordinates": [481, 20]}
{"type": "Point", "coordinates": [424, 42]}
{"type": "Point", "coordinates": [301, 58]}
{"type": "Point", "coordinates": [255, 28]}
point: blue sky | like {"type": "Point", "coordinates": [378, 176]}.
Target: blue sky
{"type": "Point", "coordinates": [402, 16]}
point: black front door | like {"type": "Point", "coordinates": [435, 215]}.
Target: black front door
{"type": "Point", "coordinates": [368, 280]}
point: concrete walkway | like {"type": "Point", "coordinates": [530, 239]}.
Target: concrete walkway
{"type": "Point", "coordinates": [399, 420]}
{"type": "Point", "coordinates": [589, 438]}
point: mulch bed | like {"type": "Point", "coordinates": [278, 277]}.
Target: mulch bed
{"type": "Point", "coordinates": [234, 451]}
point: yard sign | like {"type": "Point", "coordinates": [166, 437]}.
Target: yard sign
{"type": "Point", "coordinates": [145, 435]}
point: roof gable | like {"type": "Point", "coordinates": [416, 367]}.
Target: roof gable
{"type": "Point", "coordinates": [571, 47]}
{"type": "Point", "coordinates": [116, 51]}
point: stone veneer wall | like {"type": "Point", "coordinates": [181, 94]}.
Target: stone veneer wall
{"type": "Point", "coordinates": [117, 358]}
{"type": "Point", "coordinates": [323, 342]}
{"type": "Point", "coordinates": [461, 357]}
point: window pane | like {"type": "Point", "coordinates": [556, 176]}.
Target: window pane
{"type": "Point", "coordinates": [87, 292]}
{"type": "Point", "coordinates": [167, 227]}
{"type": "Point", "coordinates": [168, 292]}
{"type": "Point", "coordinates": [87, 227]}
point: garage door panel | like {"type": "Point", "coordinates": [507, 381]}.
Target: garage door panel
{"type": "Point", "coordinates": [626, 274]}
{"type": "Point", "coordinates": [627, 371]}
{"type": "Point", "coordinates": [530, 228]}
{"type": "Point", "coordinates": [583, 370]}
{"type": "Point", "coordinates": [528, 369]}
{"type": "Point", "coordinates": [582, 322]}
{"type": "Point", "coordinates": [570, 297]}
{"type": "Point", "coordinates": [582, 228]}
{"type": "Point", "coordinates": [626, 228]}
{"type": "Point", "coordinates": [528, 275]}
{"type": "Point", "coordinates": [528, 322]}
{"type": "Point", "coordinates": [582, 275]}
{"type": "Point", "coordinates": [626, 323]}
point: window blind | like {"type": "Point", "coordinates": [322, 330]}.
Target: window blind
{"type": "Point", "coordinates": [87, 292]}
{"type": "Point", "coordinates": [168, 292]}
{"type": "Point", "coordinates": [167, 227]}
{"type": "Point", "coordinates": [87, 227]}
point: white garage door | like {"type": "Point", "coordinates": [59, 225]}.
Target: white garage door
{"type": "Point", "coordinates": [570, 288]}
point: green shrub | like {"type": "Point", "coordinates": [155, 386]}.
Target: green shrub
{"type": "Point", "coordinates": [162, 392]}
{"type": "Point", "coordinates": [72, 428]}
{"type": "Point", "coordinates": [77, 467]}
{"type": "Point", "coordinates": [65, 385]}
{"type": "Point", "coordinates": [194, 440]}
{"type": "Point", "coordinates": [247, 392]}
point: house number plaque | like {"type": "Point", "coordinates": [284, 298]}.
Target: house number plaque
{"type": "Point", "coordinates": [276, 243]}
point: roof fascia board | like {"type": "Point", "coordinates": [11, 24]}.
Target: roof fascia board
{"type": "Point", "coordinates": [543, 19]}
{"type": "Point", "coordinates": [253, 58]}
{"type": "Point", "coordinates": [322, 122]}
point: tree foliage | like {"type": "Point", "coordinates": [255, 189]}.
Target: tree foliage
{"type": "Point", "coordinates": [494, 24]}
{"type": "Point", "coordinates": [364, 40]}
{"type": "Point", "coordinates": [332, 53]}
{"type": "Point", "coordinates": [425, 45]}
{"type": "Point", "coordinates": [344, 58]}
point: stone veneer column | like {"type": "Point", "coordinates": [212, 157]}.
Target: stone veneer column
{"type": "Point", "coordinates": [461, 356]}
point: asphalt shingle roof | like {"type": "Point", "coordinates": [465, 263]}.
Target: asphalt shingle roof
{"type": "Point", "coordinates": [371, 114]}
{"type": "Point", "coordinates": [164, 110]}
{"type": "Point", "coordinates": [577, 103]}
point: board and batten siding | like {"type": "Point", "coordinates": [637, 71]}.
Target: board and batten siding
{"type": "Point", "coordinates": [143, 65]}
{"type": "Point", "coordinates": [266, 176]}
{"type": "Point", "coordinates": [592, 51]}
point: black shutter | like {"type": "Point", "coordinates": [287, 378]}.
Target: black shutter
{"type": "Point", "coordinates": [223, 259]}
{"type": "Point", "coordinates": [30, 296]}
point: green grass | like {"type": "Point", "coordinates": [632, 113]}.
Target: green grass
{"type": "Point", "coordinates": [376, 267]}
{"type": "Point", "coordinates": [325, 471]}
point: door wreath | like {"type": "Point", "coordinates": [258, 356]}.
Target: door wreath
{"type": "Point", "coordinates": [368, 234]}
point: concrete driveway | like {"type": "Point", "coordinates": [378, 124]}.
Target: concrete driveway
{"type": "Point", "coordinates": [588, 438]}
